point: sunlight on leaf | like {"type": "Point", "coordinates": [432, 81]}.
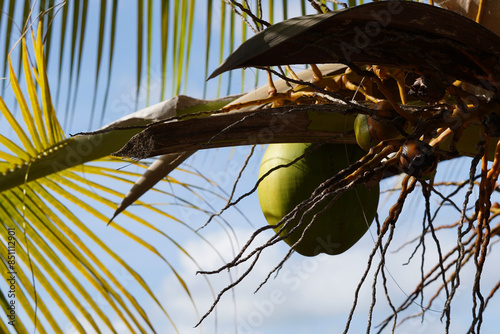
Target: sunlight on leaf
{"type": "Point", "coordinates": [44, 188]}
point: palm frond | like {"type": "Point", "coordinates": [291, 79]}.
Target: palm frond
{"type": "Point", "coordinates": [171, 24]}
{"type": "Point", "coordinates": [60, 264]}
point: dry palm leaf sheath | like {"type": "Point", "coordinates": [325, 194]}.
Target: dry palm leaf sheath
{"type": "Point", "coordinates": [420, 86]}
{"type": "Point", "coordinates": [449, 62]}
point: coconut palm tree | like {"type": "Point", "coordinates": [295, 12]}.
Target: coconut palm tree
{"type": "Point", "coordinates": [57, 263]}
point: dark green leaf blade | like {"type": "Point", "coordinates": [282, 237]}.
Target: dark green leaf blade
{"type": "Point", "coordinates": [407, 35]}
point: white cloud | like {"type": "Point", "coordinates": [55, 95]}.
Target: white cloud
{"type": "Point", "coordinates": [306, 290]}
{"type": "Point", "coordinates": [316, 294]}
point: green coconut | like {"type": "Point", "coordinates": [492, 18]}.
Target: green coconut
{"type": "Point", "coordinates": [369, 131]}
{"type": "Point", "coordinates": [342, 224]}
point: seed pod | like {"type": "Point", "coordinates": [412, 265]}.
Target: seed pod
{"type": "Point", "coordinates": [418, 159]}
{"type": "Point", "coordinates": [340, 225]}
{"type": "Point", "coordinates": [364, 137]}
{"type": "Point", "coordinates": [370, 131]}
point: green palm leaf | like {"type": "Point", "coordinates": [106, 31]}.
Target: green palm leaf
{"type": "Point", "coordinates": [42, 181]}
{"type": "Point", "coordinates": [170, 24]}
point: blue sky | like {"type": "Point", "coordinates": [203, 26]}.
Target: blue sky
{"type": "Point", "coordinates": [311, 295]}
